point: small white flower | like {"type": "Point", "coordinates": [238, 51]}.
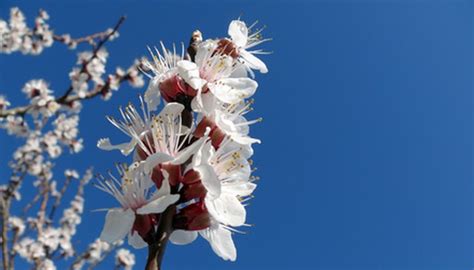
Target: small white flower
{"type": "Point", "coordinates": [228, 118]}
{"type": "Point", "coordinates": [41, 99]}
{"type": "Point", "coordinates": [124, 258]}
{"type": "Point", "coordinates": [71, 173]}
{"type": "Point", "coordinates": [46, 264]}
{"type": "Point", "coordinates": [4, 104]}
{"type": "Point", "coordinates": [17, 225]}
{"type": "Point", "coordinates": [159, 139]}
{"type": "Point", "coordinates": [132, 124]}
{"type": "Point", "coordinates": [79, 82]}
{"type": "Point", "coordinates": [96, 249]}
{"type": "Point", "coordinates": [243, 40]}
{"type": "Point", "coordinates": [133, 196]}
{"type": "Point", "coordinates": [228, 183]}
{"type": "Point", "coordinates": [162, 68]}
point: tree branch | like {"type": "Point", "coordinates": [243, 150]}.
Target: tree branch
{"type": "Point", "coordinates": [156, 249]}
{"type": "Point", "coordinates": [66, 98]}
{"type": "Point", "coordinates": [5, 209]}
{"type": "Point", "coordinates": [94, 55]}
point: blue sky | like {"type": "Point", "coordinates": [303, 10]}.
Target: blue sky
{"type": "Point", "coordinates": [367, 154]}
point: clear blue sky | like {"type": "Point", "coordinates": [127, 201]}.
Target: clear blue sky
{"type": "Point", "coordinates": [367, 153]}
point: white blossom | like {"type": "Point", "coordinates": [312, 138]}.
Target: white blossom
{"type": "Point", "coordinates": [124, 258]}
{"type": "Point", "coordinates": [3, 103]}
{"type": "Point", "coordinates": [244, 40]}
{"type": "Point", "coordinates": [15, 125]}
{"type": "Point", "coordinates": [40, 97]}
{"type": "Point", "coordinates": [133, 196]}
{"type": "Point", "coordinates": [17, 36]}
{"type": "Point", "coordinates": [17, 225]}
{"type": "Point", "coordinates": [71, 173]}
{"type": "Point", "coordinates": [46, 264]}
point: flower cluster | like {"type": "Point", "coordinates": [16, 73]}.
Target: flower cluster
{"type": "Point", "coordinates": [16, 36]}
{"type": "Point", "coordinates": [124, 258]}
{"type": "Point", "coordinates": [51, 239]}
{"type": "Point", "coordinates": [91, 68]}
{"type": "Point", "coordinates": [95, 253]}
{"type": "Point", "coordinates": [191, 159]}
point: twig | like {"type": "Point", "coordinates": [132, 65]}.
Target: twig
{"type": "Point", "coordinates": [59, 197]}
{"type": "Point", "coordinates": [33, 202]}
{"type": "Point", "coordinates": [42, 210]}
{"type": "Point", "coordinates": [156, 249]}
{"type": "Point", "coordinates": [16, 236]}
{"type": "Point", "coordinates": [63, 39]}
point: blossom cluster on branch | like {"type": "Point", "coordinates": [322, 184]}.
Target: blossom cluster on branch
{"type": "Point", "coordinates": [17, 36]}
{"type": "Point", "coordinates": [191, 174]}
{"type": "Point", "coordinates": [48, 127]}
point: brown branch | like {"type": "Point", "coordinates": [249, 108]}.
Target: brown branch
{"type": "Point", "coordinates": [89, 38]}
{"type": "Point", "coordinates": [42, 210]}
{"type": "Point", "coordinates": [66, 99]}
{"type": "Point", "coordinates": [5, 202]}
{"type": "Point", "coordinates": [16, 236]}
{"type": "Point", "coordinates": [5, 209]}
{"type": "Point", "coordinates": [156, 249]}
{"type": "Point", "coordinates": [94, 55]}
{"type": "Point", "coordinates": [21, 111]}
{"type": "Point", "coordinates": [59, 197]}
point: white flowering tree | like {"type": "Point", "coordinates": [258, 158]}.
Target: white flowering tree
{"type": "Point", "coordinates": [188, 141]}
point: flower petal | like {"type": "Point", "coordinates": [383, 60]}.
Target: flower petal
{"type": "Point", "coordinates": [221, 242]}
{"type": "Point", "coordinates": [125, 148]}
{"type": "Point", "coordinates": [204, 51]}
{"type": "Point", "coordinates": [189, 71]}
{"type": "Point", "coordinates": [154, 160]}
{"type": "Point", "coordinates": [240, 71]}
{"type": "Point", "coordinates": [205, 104]}
{"type": "Point", "coordinates": [181, 237]}
{"type": "Point", "coordinates": [253, 62]}
{"type": "Point", "coordinates": [158, 205]}
{"type": "Point", "coordinates": [186, 153]}
{"type": "Point", "coordinates": [238, 32]}
{"type": "Point", "coordinates": [209, 180]}
{"type": "Point", "coordinates": [242, 189]}
{"type": "Point", "coordinates": [136, 241]}
{"type": "Point", "coordinates": [171, 109]}
{"type": "Point", "coordinates": [165, 188]}
{"type": "Point", "coordinates": [233, 90]}
{"type": "Point", "coordinates": [227, 209]}
{"type": "Point", "coordinates": [245, 151]}
{"type": "Point", "coordinates": [244, 140]}
{"type": "Point", "coordinates": [203, 156]}
{"type": "Point", "coordinates": [152, 94]}
{"type": "Point", "coordinates": [118, 224]}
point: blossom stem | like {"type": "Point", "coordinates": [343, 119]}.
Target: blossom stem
{"type": "Point", "coordinates": [156, 250]}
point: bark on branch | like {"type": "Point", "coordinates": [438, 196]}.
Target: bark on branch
{"type": "Point", "coordinates": [156, 249]}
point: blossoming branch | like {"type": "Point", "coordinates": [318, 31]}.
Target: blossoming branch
{"type": "Point", "coordinates": [48, 127]}
{"type": "Point", "coordinates": [190, 173]}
